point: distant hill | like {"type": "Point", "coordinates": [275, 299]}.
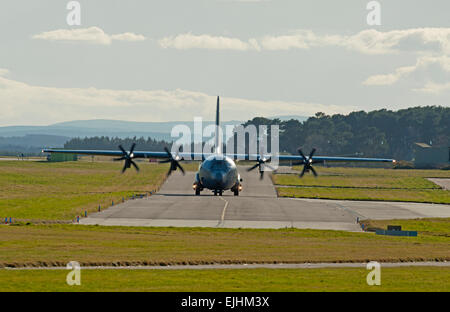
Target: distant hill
{"type": "Point", "coordinates": [31, 139]}
{"type": "Point", "coordinates": [101, 127]}
{"type": "Point", "coordinates": [90, 129]}
{"type": "Point", "coordinates": [30, 144]}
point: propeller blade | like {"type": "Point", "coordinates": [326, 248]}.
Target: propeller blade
{"type": "Point", "coordinates": [303, 172]}
{"type": "Point", "coordinates": [253, 168]}
{"type": "Point", "coordinates": [132, 148]}
{"type": "Point", "coordinates": [181, 168]}
{"type": "Point", "coordinates": [312, 153]}
{"type": "Point", "coordinates": [301, 154]}
{"type": "Point", "coordinates": [135, 166]}
{"type": "Point", "coordinates": [128, 157]}
{"type": "Point", "coordinates": [308, 162]}
{"type": "Point", "coordinates": [174, 163]}
{"type": "Point", "coordinates": [261, 175]}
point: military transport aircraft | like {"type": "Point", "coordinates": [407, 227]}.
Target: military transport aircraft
{"type": "Point", "coordinates": [217, 172]}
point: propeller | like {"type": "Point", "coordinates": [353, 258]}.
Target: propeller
{"type": "Point", "coordinates": [128, 157]}
{"type": "Point", "coordinates": [262, 162]}
{"type": "Point", "coordinates": [174, 162]}
{"type": "Point", "coordinates": [307, 162]}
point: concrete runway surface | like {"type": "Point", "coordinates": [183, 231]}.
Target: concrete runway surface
{"type": "Point", "coordinates": [256, 207]}
{"type": "Point", "coordinates": [442, 182]}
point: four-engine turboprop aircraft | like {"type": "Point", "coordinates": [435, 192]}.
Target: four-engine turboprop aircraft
{"type": "Point", "coordinates": [217, 172]}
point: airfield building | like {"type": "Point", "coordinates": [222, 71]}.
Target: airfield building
{"type": "Point", "coordinates": [426, 156]}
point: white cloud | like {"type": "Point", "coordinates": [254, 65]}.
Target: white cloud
{"type": "Point", "coordinates": [190, 41]}
{"type": "Point", "coordinates": [94, 35]}
{"type": "Point", "coordinates": [368, 41]}
{"type": "Point", "coordinates": [128, 37]}
{"type": "Point", "coordinates": [415, 40]}
{"type": "Point", "coordinates": [424, 64]}
{"type": "Point", "coordinates": [434, 88]}
{"type": "Point", "coordinates": [27, 104]}
{"type": "Point", "coordinates": [389, 79]}
{"type": "Point", "coordinates": [301, 39]}
{"type": "Point", "coordinates": [432, 45]}
{"type": "Point", "coordinates": [4, 72]}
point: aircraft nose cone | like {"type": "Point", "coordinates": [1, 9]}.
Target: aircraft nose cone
{"type": "Point", "coordinates": [220, 179]}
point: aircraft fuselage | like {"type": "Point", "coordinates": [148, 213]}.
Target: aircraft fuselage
{"type": "Point", "coordinates": [218, 173]}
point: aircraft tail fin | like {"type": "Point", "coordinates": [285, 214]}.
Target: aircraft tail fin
{"type": "Point", "coordinates": [218, 112]}
{"type": "Point", "coordinates": [218, 134]}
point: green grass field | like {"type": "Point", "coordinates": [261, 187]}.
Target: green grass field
{"type": "Point", "coordinates": [365, 184]}
{"type": "Point", "coordinates": [430, 226]}
{"type": "Point", "coordinates": [369, 172]}
{"type": "Point", "coordinates": [246, 280]}
{"type": "Point", "coordinates": [60, 191]}
{"type": "Point", "coordinates": [419, 196]}
{"type": "Point", "coordinates": [54, 245]}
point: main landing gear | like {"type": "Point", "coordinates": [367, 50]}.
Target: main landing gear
{"type": "Point", "coordinates": [236, 189]}
{"type": "Point", "coordinates": [197, 188]}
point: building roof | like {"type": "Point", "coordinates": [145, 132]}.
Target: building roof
{"type": "Point", "coordinates": [424, 145]}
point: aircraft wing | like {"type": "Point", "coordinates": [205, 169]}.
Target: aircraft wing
{"type": "Point", "coordinates": [321, 159]}
{"type": "Point", "coordinates": [198, 156]}
{"type": "Point", "coordinates": [137, 154]}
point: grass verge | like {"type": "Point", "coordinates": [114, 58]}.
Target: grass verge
{"type": "Point", "coordinates": [419, 196]}
{"type": "Point", "coordinates": [60, 191]}
{"type": "Point", "coordinates": [429, 226]}
{"type": "Point", "coordinates": [246, 280]}
{"type": "Point", "coordinates": [377, 182]}
{"type": "Point", "coordinates": [365, 184]}
{"type": "Point", "coordinates": [56, 245]}
{"type": "Point", "coordinates": [383, 172]}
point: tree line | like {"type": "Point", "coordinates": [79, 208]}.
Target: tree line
{"type": "Point", "coordinates": [380, 133]}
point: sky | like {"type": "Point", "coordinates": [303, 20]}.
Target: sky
{"type": "Point", "coordinates": [142, 60]}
